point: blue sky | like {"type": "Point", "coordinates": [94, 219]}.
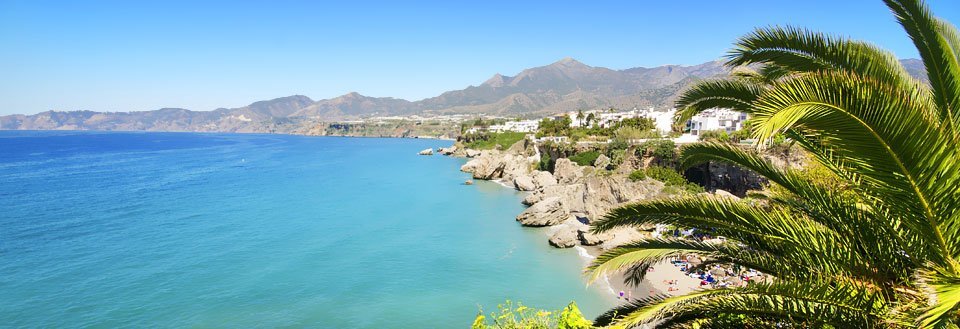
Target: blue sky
{"type": "Point", "coordinates": [201, 55]}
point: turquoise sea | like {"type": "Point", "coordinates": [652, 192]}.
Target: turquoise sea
{"type": "Point", "coordinates": [231, 230]}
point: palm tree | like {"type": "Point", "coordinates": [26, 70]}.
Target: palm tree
{"type": "Point", "coordinates": [885, 251]}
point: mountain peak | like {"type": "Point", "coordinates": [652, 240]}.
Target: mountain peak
{"type": "Point", "coordinates": [568, 61]}
{"type": "Point", "coordinates": [497, 80]}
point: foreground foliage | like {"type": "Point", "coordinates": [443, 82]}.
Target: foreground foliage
{"type": "Point", "coordinates": [518, 316]}
{"type": "Point", "coordinates": [876, 247]}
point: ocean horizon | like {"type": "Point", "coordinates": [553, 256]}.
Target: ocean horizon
{"type": "Point", "coordinates": [120, 229]}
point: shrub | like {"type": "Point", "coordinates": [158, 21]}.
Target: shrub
{"type": "Point", "coordinates": [673, 180]}
{"type": "Point", "coordinates": [546, 163]}
{"type": "Point", "coordinates": [662, 149]}
{"type": "Point", "coordinates": [631, 133]}
{"type": "Point", "coordinates": [617, 156]}
{"type": "Point", "coordinates": [668, 176]}
{"type": "Point", "coordinates": [585, 158]}
{"type": "Point", "coordinates": [487, 141]}
{"type": "Point", "coordinates": [517, 316]}
{"type": "Point", "coordinates": [715, 135]}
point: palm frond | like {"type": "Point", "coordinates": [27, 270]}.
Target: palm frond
{"type": "Point", "coordinates": [939, 58]}
{"type": "Point", "coordinates": [706, 94]}
{"type": "Point", "coordinates": [883, 134]}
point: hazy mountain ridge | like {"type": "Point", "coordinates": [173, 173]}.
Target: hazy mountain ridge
{"type": "Point", "coordinates": [565, 85]}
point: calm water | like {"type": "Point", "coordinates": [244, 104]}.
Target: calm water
{"type": "Point", "coordinates": [223, 230]}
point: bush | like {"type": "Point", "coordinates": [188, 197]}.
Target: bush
{"type": "Point", "coordinates": [488, 141]}
{"type": "Point", "coordinates": [546, 163]}
{"type": "Point", "coordinates": [631, 133]}
{"type": "Point", "coordinates": [715, 135]}
{"type": "Point", "coordinates": [668, 176]}
{"type": "Point", "coordinates": [585, 158]}
{"type": "Point", "coordinates": [518, 316]}
{"type": "Point", "coordinates": [662, 149]}
{"type": "Point", "coordinates": [617, 156]}
{"type": "Point", "coordinates": [673, 180]}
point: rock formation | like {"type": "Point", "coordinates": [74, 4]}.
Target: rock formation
{"type": "Point", "coordinates": [547, 212]}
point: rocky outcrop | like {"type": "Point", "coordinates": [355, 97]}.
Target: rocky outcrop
{"type": "Point", "coordinates": [566, 171]}
{"type": "Point", "coordinates": [590, 239]}
{"type": "Point", "coordinates": [725, 194]}
{"type": "Point", "coordinates": [447, 150]}
{"type": "Point", "coordinates": [602, 162]}
{"type": "Point", "coordinates": [533, 181]}
{"type": "Point", "coordinates": [596, 195]}
{"type": "Point", "coordinates": [547, 212]}
{"type": "Point", "coordinates": [524, 183]}
{"type": "Point", "coordinates": [426, 152]}
{"type": "Point", "coordinates": [507, 166]}
{"type": "Point", "coordinates": [543, 179]}
{"type": "Point", "coordinates": [563, 238]}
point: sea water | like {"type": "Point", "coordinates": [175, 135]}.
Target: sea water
{"type": "Point", "coordinates": [232, 230]}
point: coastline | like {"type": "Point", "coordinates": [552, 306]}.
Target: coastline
{"type": "Point", "coordinates": [584, 192]}
{"type": "Point", "coordinates": [586, 255]}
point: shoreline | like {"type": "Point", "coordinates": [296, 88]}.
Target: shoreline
{"type": "Point", "coordinates": [585, 256]}
{"type": "Point", "coordinates": [563, 202]}
{"type": "Point", "coordinates": [613, 284]}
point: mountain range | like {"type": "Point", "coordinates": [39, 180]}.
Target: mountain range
{"type": "Point", "coordinates": [562, 86]}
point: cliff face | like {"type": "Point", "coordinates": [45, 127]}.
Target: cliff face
{"type": "Point", "coordinates": [723, 176]}
{"type": "Point", "coordinates": [716, 175]}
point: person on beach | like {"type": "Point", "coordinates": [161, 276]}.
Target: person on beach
{"type": "Point", "coordinates": [621, 294]}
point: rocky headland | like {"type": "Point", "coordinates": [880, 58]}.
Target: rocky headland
{"type": "Point", "coordinates": [566, 201]}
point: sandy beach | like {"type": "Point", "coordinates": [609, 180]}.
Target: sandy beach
{"type": "Point", "coordinates": [657, 281]}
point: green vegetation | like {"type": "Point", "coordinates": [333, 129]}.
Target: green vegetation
{"type": "Point", "coordinates": [628, 129]}
{"type": "Point", "coordinates": [870, 238]}
{"type": "Point", "coordinates": [551, 127]}
{"type": "Point", "coordinates": [668, 176]}
{"type": "Point", "coordinates": [585, 158]}
{"type": "Point", "coordinates": [518, 316]}
{"type": "Point", "coordinates": [488, 141]}
{"type": "Point", "coordinates": [480, 123]}
{"type": "Point", "coordinates": [718, 135]}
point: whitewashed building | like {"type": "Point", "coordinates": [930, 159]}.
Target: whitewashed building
{"type": "Point", "coordinates": [525, 126]}
{"type": "Point", "coordinates": [716, 119]}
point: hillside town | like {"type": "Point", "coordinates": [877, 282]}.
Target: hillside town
{"type": "Point", "coordinates": [712, 120]}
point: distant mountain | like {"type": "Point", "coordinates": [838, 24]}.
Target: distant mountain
{"type": "Point", "coordinates": [565, 85]}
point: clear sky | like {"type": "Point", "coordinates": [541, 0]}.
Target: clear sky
{"type": "Point", "coordinates": [201, 55]}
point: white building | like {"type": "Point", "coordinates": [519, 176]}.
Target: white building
{"type": "Point", "coordinates": [716, 119]}
{"type": "Point", "coordinates": [525, 126]}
